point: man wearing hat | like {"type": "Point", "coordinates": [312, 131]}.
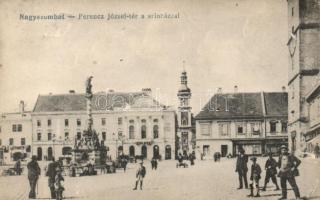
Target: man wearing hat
{"type": "Point", "coordinates": [51, 173]}
{"type": "Point", "coordinates": [271, 171]}
{"type": "Point", "coordinates": [255, 177]}
{"type": "Point", "coordinates": [241, 168]}
{"type": "Point", "coordinates": [141, 172]}
{"type": "Point", "coordinates": [288, 165]}
{"type": "Point", "coordinates": [33, 175]}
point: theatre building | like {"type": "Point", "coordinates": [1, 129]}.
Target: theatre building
{"type": "Point", "coordinates": [128, 123]}
{"type": "Point", "coordinates": [254, 121]}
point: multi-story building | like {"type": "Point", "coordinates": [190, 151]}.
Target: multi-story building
{"type": "Point", "coordinates": [128, 123]}
{"type": "Point", "coordinates": [304, 65]}
{"type": "Point", "coordinates": [15, 135]}
{"type": "Point", "coordinates": [248, 120]}
{"type": "Point", "coordinates": [185, 130]}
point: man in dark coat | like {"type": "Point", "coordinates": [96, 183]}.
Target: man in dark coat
{"type": "Point", "coordinates": [317, 150]}
{"type": "Point", "coordinates": [141, 172]}
{"type": "Point", "coordinates": [17, 167]}
{"type": "Point", "coordinates": [242, 169]}
{"type": "Point", "coordinates": [33, 176]}
{"type": "Point", "coordinates": [271, 172]}
{"type": "Point", "coordinates": [51, 173]}
{"type": "Point", "coordinates": [288, 165]}
{"type": "Point", "coordinates": [255, 177]}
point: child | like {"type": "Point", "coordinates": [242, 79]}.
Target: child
{"type": "Point", "coordinates": [255, 177]}
{"type": "Point", "coordinates": [58, 184]}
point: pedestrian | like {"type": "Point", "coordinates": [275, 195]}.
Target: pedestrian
{"type": "Point", "coordinates": [34, 172]}
{"type": "Point", "coordinates": [58, 184]}
{"type": "Point", "coordinates": [288, 165]}
{"type": "Point", "coordinates": [317, 150]}
{"type": "Point", "coordinates": [124, 164]}
{"type": "Point", "coordinates": [152, 163]}
{"type": "Point", "coordinates": [255, 177]}
{"type": "Point", "coordinates": [155, 163]}
{"type": "Point", "coordinates": [51, 173]}
{"type": "Point", "coordinates": [141, 172]}
{"type": "Point", "coordinates": [242, 169]}
{"type": "Point", "coordinates": [17, 167]}
{"type": "Point", "coordinates": [271, 172]}
{"type": "Point", "coordinates": [191, 158]}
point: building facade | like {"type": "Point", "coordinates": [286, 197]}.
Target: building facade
{"type": "Point", "coordinates": [15, 135]}
{"type": "Point", "coordinates": [304, 65]}
{"type": "Point", "coordinates": [185, 131]}
{"type": "Point", "coordinates": [247, 120]}
{"type": "Point", "coordinates": [128, 123]}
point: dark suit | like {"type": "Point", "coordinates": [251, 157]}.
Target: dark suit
{"type": "Point", "coordinates": [271, 171]}
{"type": "Point", "coordinates": [287, 172]}
{"type": "Point", "coordinates": [33, 176]}
{"type": "Point", "coordinates": [51, 173]}
{"type": "Point", "coordinates": [242, 169]}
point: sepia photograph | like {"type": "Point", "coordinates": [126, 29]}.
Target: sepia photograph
{"type": "Point", "coordinates": [160, 99]}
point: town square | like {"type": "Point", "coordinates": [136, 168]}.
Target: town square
{"type": "Point", "coordinates": [208, 100]}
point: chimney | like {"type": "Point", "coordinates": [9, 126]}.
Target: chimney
{"type": "Point", "coordinates": [283, 89]}
{"type": "Point", "coordinates": [21, 107]}
{"type": "Point", "coordinates": [235, 89]}
{"type": "Point", "coordinates": [72, 92]}
{"type": "Point", "coordinates": [147, 90]}
{"type": "Point", "coordinates": [219, 91]}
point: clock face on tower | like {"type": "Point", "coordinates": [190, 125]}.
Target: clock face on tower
{"type": "Point", "coordinates": [292, 45]}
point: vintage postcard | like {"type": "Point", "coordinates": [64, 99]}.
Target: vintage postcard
{"type": "Point", "coordinates": [159, 99]}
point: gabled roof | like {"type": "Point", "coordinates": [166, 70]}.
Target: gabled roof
{"type": "Point", "coordinates": [100, 101]}
{"type": "Point", "coordinates": [245, 105]}
{"type": "Point", "coordinates": [276, 103]}
{"type": "Point", "coordinates": [236, 105]}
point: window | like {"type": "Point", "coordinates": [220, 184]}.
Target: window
{"type": "Point", "coordinates": [14, 128]}
{"type": "Point", "coordinates": [120, 121]}
{"type": "Point", "coordinates": [284, 127]}
{"type": "Point", "coordinates": [11, 141]}
{"type": "Point", "coordinates": [39, 123]}
{"type": "Point", "coordinates": [205, 129]}
{"type": "Point", "coordinates": [292, 29]}
{"type": "Point", "coordinates": [240, 129]}
{"type": "Point", "coordinates": [184, 118]}
{"type": "Point", "coordinates": [273, 127]}
{"type": "Point", "coordinates": [103, 121]}
{"type": "Point", "coordinates": [39, 136]}
{"type": "Point", "coordinates": [155, 131]}
{"type": "Point", "coordinates": [223, 129]}
{"type": "Point", "coordinates": [49, 136]}
{"type": "Point", "coordinates": [78, 122]}
{"type": "Point", "coordinates": [19, 127]}
{"type": "Point", "coordinates": [104, 136]}
{"type": "Point", "coordinates": [23, 141]}
{"type": "Point", "coordinates": [143, 131]}
{"type": "Point", "coordinates": [66, 135]}
{"type": "Point", "coordinates": [292, 11]}
{"type": "Point", "coordinates": [78, 135]}
{"type": "Point", "coordinates": [49, 122]}
{"type": "Point", "coordinates": [255, 128]}
{"type": "Point", "coordinates": [131, 132]}
{"type": "Point", "coordinates": [66, 122]}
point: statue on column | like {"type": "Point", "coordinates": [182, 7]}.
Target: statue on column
{"type": "Point", "coordinates": [89, 87]}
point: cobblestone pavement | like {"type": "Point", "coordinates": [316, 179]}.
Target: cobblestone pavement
{"type": "Point", "coordinates": [205, 180]}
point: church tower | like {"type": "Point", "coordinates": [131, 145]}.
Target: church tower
{"type": "Point", "coordinates": [304, 64]}
{"type": "Point", "coordinates": [184, 116]}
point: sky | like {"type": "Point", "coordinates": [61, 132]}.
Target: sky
{"type": "Point", "coordinates": [223, 43]}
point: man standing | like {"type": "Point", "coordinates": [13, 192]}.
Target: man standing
{"type": "Point", "coordinates": [288, 165]}
{"type": "Point", "coordinates": [255, 177]}
{"type": "Point", "coordinates": [33, 175]}
{"type": "Point", "coordinates": [17, 167]}
{"type": "Point", "coordinates": [51, 173]}
{"type": "Point", "coordinates": [242, 169]}
{"type": "Point", "coordinates": [271, 171]}
{"type": "Point", "coordinates": [317, 150]}
{"type": "Point", "coordinates": [141, 172]}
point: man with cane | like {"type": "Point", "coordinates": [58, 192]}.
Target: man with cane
{"type": "Point", "coordinates": [33, 176]}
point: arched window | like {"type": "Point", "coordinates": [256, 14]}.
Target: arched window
{"type": "Point", "coordinates": [155, 131]}
{"type": "Point", "coordinates": [50, 153]}
{"type": "Point", "coordinates": [143, 131]}
{"type": "Point", "coordinates": [131, 151]}
{"type": "Point", "coordinates": [131, 132]}
{"type": "Point", "coordinates": [39, 153]}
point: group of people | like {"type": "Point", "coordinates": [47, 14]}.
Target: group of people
{"type": "Point", "coordinates": [55, 178]}
{"type": "Point", "coordinates": [288, 170]}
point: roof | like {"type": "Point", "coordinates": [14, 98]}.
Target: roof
{"type": "Point", "coordinates": [100, 101]}
{"type": "Point", "coordinates": [245, 105]}
{"type": "Point", "coordinates": [233, 105]}
{"type": "Point", "coordinates": [276, 103]}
